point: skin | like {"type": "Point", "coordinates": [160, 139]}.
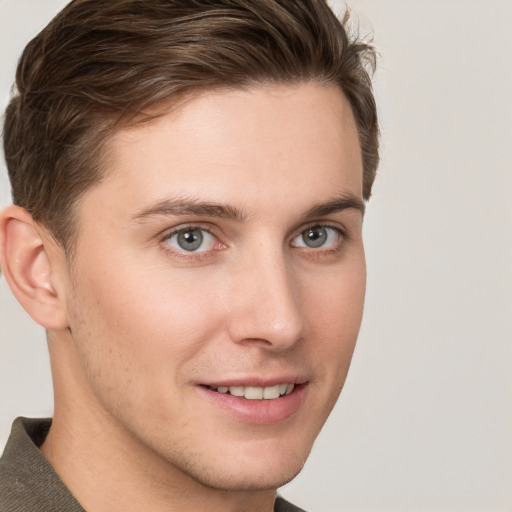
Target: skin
{"type": "Point", "coordinates": [144, 325]}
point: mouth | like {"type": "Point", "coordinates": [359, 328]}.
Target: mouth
{"type": "Point", "coordinates": [252, 404]}
{"type": "Point", "coordinates": [256, 392]}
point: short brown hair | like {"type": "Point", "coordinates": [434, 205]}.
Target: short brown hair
{"type": "Point", "coordinates": [101, 64]}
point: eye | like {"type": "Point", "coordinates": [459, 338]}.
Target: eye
{"type": "Point", "coordinates": [316, 237]}
{"type": "Point", "coordinates": [191, 239]}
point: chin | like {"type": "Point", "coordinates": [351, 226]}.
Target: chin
{"type": "Point", "coordinates": [249, 478]}
{"type": "Point", "coordinates": [253, 468]}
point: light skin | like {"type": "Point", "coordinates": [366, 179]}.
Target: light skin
{"type": "Point", "coordinates": [223, 248]}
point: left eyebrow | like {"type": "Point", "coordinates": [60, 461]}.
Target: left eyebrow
{"type": "Point", "coordinates": [336, 205]}
{"type": "Point", "coordinates": [170, 207]}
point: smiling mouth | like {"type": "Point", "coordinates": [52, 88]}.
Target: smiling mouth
{"type": "Point", "coordinates": [256, 392]}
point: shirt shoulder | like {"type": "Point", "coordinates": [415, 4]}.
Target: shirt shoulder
{"type": "Point", "coordinates": [281, 505]}
{"type": "Point", "coordinates": [28, 482]}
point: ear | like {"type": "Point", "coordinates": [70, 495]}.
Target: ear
{"type": "Point", "coordinates": [27, 266]}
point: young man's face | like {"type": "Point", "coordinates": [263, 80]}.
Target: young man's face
{"type": "Point", "coordinates": [221, 255]}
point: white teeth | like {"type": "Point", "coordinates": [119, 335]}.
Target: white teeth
{"type": "Point", "coordinates": [253, 393]}
{"type": "Point", "coordinates": [236, 390]}
{"type": "Point", "coordinates": [271, 392]}
{"type": "Point", "coordinates": [256, 392]}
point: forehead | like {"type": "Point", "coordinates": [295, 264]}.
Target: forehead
{"type": "Point", "coordinates": [242, 145]}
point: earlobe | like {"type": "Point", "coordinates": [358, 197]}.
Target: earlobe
{"type": "Point", "coordinates": [27, 267]}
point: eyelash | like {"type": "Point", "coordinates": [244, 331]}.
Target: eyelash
{"type": "Point", "coordinates": [202, 255]}
{"type": "Point", "coordinates": [188, 255]}
{"type": "Point", "coordinates": [319, 252]}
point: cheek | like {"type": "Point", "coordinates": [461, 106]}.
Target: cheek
{"type": "Point", "coordinates": [137, 332]}
{"type": "Point", "coordinates": [335, 308]}
{"type": "Point", "coordinates": [337, 294]}
{"type": "Point", "coordinates": [149, 307]}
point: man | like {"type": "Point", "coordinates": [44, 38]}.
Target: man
{"type": "Point", "coordinates": [188, 182]}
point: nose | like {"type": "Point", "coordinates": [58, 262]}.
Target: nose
{"type": "Point", "coordinates": [265, 306]}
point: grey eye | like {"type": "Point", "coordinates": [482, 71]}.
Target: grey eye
{"type": "Point", "coordinates": [191, 240]}
{"type": "Point", "coordinates": [315, 237]}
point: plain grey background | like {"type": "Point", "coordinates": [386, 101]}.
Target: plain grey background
{"type": "Point", "coordinates": [425, 420]}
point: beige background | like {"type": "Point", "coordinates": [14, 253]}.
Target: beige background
{"type": "Point", "coordinates": [425, 419]}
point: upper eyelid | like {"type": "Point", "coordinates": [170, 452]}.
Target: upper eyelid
{"type": "Point", "coordinates": [320, 224]}
{"type": "Point", "coordinates": [211, 229]}
{"type": "Point", "coordinates": [168, 232]}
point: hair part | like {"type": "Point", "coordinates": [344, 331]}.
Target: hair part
{"type": "Point", "coordinates": [101, 65]}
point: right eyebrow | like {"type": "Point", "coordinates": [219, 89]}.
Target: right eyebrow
{"type": "Point", "coordinates": [344, 202]}
{"type": "Point", "coordinates": [170, 207]}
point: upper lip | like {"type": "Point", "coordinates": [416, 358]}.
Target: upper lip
{"type": "Point", "coordinates": [256, 381]}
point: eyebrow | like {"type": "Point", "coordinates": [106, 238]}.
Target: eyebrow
{"type": "Point", "coordinates": [170, 207]}
{"type": "Point", "coordinates": [346, 201]}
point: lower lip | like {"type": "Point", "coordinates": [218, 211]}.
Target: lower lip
{"type": "Point", "coordinates": [261, 412]}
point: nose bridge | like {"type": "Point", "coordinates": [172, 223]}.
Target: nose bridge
{"type": "Point", "coordinates": [268, 303]}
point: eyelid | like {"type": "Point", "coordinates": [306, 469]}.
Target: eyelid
{"type": "Point", "coordinates": [342, 233]}
{"type": "Point", "coordinates": [321, 224]}
{"type": "Point", "coordinates": [182, 253]}
{"type": "Point", "coordinates": [168, 232]}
